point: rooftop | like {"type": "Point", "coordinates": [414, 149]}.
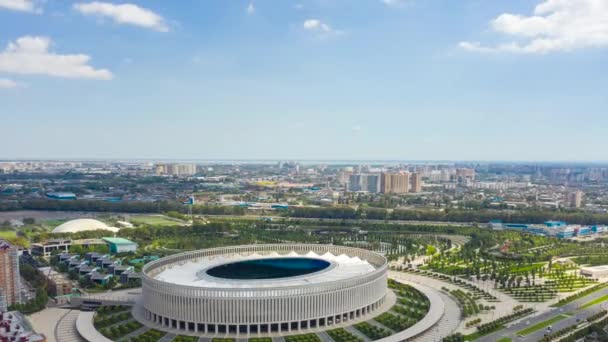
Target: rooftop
{"type": "Point", "coordinates": [118, 241]}
{"type": "Point", "coordinates": [193, 272]}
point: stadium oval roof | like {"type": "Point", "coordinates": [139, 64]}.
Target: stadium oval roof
{"type": "Point", "coordinates": [82, 225]}
{"type": "Point", "coordinates": [193, 272]}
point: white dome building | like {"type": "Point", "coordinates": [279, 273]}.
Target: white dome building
{"type": "Point", "coordinates": [82, 225]}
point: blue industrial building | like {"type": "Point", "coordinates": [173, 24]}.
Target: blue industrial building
{"type": "Point", "coordinates": [61, 195]}
{"type": "Point", "coordinates": [559, 229]}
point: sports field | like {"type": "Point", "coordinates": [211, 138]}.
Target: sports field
{"type": "Point", "coordinates": [155, 220]}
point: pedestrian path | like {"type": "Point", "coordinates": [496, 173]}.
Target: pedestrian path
{"type": "Point", "coordinates": [66, 331]}
{"type": "Point", "coordinates": [446, 325]}
{"type": "Point", "coordinates": [168, 338]}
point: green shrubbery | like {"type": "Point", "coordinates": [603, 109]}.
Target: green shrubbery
{"type": "Point", "coordinates": [372, 331]}
{"type": "Point", "coordinates": [110, 309]}
{"type": "Point", "coordinates": [182, 338]}
{"type": "Point", "coordinates": [396, 323]}
{"type": "Point", "coordinates": [303, 338]}
{"type": "Point", "coordinates": [116, 331]}
{"type": "Point", "coordinates": [341, 335]}
{"type": "Point", "coordinates": [473, 322]}
{"type": "Point", "coordinates": [458, 337]}
{"type": "Point", "coordinates": [107, 320]}
{"type": "Point", "coordinates": [151, 335]}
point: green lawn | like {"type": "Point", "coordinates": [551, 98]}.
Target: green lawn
{"type": "Point", "coordinates": [7, 234]}
{"type": "Point", "coordinates": [594, 302]}
{"type": "Point", "coordinates": [53, 223]}
{"type": "Point", "coordinates": [541, 325]}
{"type": "Point", "coordinates": [504, 339]}
{"type": "Point", "coordinates": [154, 220]}
{"type": "Point", "coordinates": [12, 238]}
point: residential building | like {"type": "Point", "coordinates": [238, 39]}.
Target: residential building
{"type": "Point", "coordinates": [365, 182]}
{"type": "Point", "coordinates": [575, 199]}
{"type": "Point", "coordinates": [395, 183]}
{"type": "Point", "coordinates": [10, 280]}
{"type": "Point", "coordinates": [58, 283]}
{"type": "Point", "coordinates": [175, 169]}
{"type": "Point", "coordinates": [464, 175]}
{"type": "Point", "coordinates": [416, 182]}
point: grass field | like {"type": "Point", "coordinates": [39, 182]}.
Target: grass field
{"type": "Point", "coordinates": [6, 234]}
{"type": "Point", "coordinates": [594, 302]}
{"type": "Point", "coordinates": [504, 339]}
{"type": "Point", "coordinates": [154, 220]}
{"type": "Point", "coordinates": [11, 237]}
{"type": "Point", "coordinates": [541, 325]}
{"type": "Point", "coordinates": [53, 223]}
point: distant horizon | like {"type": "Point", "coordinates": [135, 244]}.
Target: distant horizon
{"type": "Point", "coordinates": [309, 161]}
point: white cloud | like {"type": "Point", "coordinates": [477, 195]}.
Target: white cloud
{"type": "Point", "coordinates": [20, 5]}
{"type": "Point", "coordinates": [323, 30]}
{"type": "Point", "coordinates": [555, 25]}
{"type": "Point", "coordinates": [320, 27]}
{"type": "Point", "coordinates": [394, 3]}
{"type": "Point", "coordinates": [6, 83]}
{"type": "Point", "coordinates": [250, 8]}
{"type": "Point", "coordinates": [316, 25]}
{"type": "Point", "coordinates": [124, 14]}
{"type": "Point", "coordinates": [31, 55]}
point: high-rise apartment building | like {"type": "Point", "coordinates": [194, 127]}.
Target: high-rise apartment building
{"type": "Point", "coordinates": [464, 175]}
{"type": "Point", "coordinates": [369, 183]}
{"type": "Point", "coordinates": [10, 284]}
{"type": "Point", "coordinates": [175, 169]}
{"type": "Point", "coordinates": [446, 175]}
{"type": "Point", "coordinates": [394, 183]}
{"type": "Point", "coordinates": [575, 199]}
{"type": "Point", "coordinates": [373, 183]}
{"type": "Point", "coordinates": [354, 183]}
{"type": "Point", "coordinates": [416, 182]}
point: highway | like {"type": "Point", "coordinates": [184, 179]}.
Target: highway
{"type": "Point", "coordinates": [571, 308]}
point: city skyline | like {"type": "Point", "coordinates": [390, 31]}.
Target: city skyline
{"type": "Point", "coordinates": [303, 80]}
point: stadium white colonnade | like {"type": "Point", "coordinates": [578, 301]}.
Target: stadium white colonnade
{"type": "Point", "coordinates": [353, 286]}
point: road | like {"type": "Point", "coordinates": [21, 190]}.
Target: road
{"type": "Point", "coordinates": [571, 308]}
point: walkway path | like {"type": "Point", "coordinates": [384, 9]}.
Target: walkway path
{"type": "Point", "coordinates": [86, 329]}
{"type": "Point", "coordinates": [65, 331]}
{"type": "Point", "coordinates": [446, 325]}
{"type": "Point", "coordinates": [167, 338]}
{"type": "Point", "coordinates": [436, 311]}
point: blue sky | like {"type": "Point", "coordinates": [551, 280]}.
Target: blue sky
{"type": "Point", "coordinates": [309, 79]}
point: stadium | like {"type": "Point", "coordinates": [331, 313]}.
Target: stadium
{"type": "Point", "coordinates": [263, 289]}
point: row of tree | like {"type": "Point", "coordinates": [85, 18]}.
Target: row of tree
{"type": "Point", "coordinates": [334, 212]}
{"type": "Point", "coordinates": [448, 215]}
